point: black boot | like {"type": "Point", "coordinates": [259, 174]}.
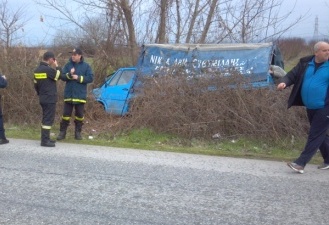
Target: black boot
{"type": "Point", "coordinates": [45, 140]}
{"type": "Point", "coordinates": [78, 128]}
{"type": "Point", "coordinates": [62, 129]}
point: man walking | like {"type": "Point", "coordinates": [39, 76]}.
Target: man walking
{"type": "Point", "coordinates": [310, 78]}
{"type": "Point", "coordinates": [45, 78]}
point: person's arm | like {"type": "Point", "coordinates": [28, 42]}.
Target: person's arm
{"type": "Point", "coordinates": [66, 73]}
{"type": "Point", "coordinates": [55, 74]}
{"type": "Point", "coordinates": [3, 81]}
{"type": "Point", "coordinates": [86, 78]}
{"type": "Point", "coordinates": [290, 78]}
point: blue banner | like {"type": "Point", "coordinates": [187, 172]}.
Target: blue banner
{"type": "Point", "coordinates": [252, 60]}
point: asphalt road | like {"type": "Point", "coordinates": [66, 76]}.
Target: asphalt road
{"type": "Point", "coordinates": [80, 184]}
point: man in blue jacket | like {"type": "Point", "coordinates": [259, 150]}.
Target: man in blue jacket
{"type": "Point", "coordinates": [77, 74]}
{"type": "Point", "coordinates": [3, 139]}
{"type": "Point", "coordinates": [310, 78]}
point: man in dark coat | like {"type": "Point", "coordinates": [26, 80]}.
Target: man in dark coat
{"type": "Point", "coordinates": [310, 78]}
{"type": "Point", "coordinates": [45, 78]}
{"type": "Point", "coordinates": [77, 74]}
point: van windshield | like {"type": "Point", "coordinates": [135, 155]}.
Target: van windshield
{"type": "Point", "coordinates": [122, 78]}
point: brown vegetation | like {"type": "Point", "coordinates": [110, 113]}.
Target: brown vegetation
{"type": "Point", "coordinates": [188, 109]}
{"type": "Point", "coordinates": [169, 105]}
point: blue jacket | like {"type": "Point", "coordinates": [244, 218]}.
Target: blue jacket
{"type": "Point", "coordinates": [76, 90]}
{"type": "Point", "coordinates": [295, 77]}
{"type": "Point", "coordinates": [315, 86]}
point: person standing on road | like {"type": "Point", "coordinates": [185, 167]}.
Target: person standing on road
{"type": "Point", "coordinates": [310, 78]}
{"type": "Point", "coordinates": [3, 139]}
{"type": "Point", "coordinates": [45, 78]}
{"type": "Point", "coordinates": [77, 74]}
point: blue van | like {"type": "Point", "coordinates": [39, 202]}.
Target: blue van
{"type": "Point", "coordinates": [251, 60]}
{"type": "Point", "coordinates": [114, 93]}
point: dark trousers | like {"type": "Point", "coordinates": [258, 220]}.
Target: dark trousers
{"type": "Point", "coordinates": [68, 109]}
{"type": "Point", "coordinates": [2, 129]}
{"type": "Point", "coordinates": [317, 136]}
{"type": "Point", "coordinates": [48, 115]}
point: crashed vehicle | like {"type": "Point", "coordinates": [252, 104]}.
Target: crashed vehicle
{"type": "Point", "coordinates": [250, 60]}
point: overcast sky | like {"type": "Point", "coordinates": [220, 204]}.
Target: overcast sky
{"type": "Point", "coordinates": [311, 9]}
{"type": "Point", "coordinates": [36, 32]}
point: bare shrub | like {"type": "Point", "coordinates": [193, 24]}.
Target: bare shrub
{"type": "Point", "coordinates": [187, 108]}
{"type": "Point", "coordinates": [19, 97]}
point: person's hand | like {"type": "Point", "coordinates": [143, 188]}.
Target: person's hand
{"type": "Point", "coordinates": [55, 63]}
{"type": "Point", "coordinates": [74, 76]}
{"type": "Point", "coordinates": [281, 86]}
{"type": "Point", "coordinates": [72, 71]}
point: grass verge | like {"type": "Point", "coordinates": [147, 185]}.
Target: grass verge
{"type": "Point", "coordinates": [147, 140]}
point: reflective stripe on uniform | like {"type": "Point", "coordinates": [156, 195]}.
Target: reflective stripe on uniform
{"type": "Point", "coordinates": [66, 118]}
{"type": "Point", "coordinates": [45, 127]}
{"type": "Point", "coordinates": [39, 76]}
{"type": "Point", "coordinates": [74, 100]}
{"type": "Point", "coordinates": [68, 76]}
{"type": "Point", "coordinates": [58, 73]}
{"type": "Point", "coordinates": [79, 118]}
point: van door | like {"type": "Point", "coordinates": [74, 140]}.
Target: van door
{"type": "Point", "coordinates": [116, 91]}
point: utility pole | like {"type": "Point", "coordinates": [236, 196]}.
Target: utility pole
{"type": "Point", "coordinates": [316, 29]}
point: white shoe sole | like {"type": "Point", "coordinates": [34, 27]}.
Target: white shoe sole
{"type": "Point", "coordinates": [296, 170]}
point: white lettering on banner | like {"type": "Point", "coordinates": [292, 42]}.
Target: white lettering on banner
{"type": "Point", "coordinates": [180, 62]}
{"type": "Point", "coordinates": [160, 63]}
{"type": "Point", "coordinates": [155, 59]}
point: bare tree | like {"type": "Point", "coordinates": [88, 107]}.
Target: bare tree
{"type": "Point", "coordinates": [128, 22]}
{"type": "Point", "coordinates": [179, 21]}
{"type": "Point", "coordinates": [118, 15]}
{"type": "Point", "coordinates": [254, 21]}
{"type": "Point", "coordinates": [11, 21]}
{"type": "Point", "coordinates": [213, 5]}
{"type": "Point", "coordinates": [194, 16]}
{"type": "Point", "coordinates": [161, 36]}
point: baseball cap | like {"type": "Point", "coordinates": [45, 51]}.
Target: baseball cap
{"type": "Point", "coordinates": [76, 51]}
{"type": "Point", "coordinates": [48, 55]}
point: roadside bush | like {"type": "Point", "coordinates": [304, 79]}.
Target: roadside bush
{"type": "Point", "coordinates": [187, 108]}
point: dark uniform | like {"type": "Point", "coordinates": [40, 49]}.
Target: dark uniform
{"type": "Point", "coordinates": [75, 94]}
{"type": "Point", "coordinates": [45, 78]}
{"type": "Point", "coordinates": [3, 139]}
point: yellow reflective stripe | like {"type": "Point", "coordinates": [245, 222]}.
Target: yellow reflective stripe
{"type": "Point", "coordinates": [74, 100]}
{"type": "Point", "coordinates": [39, 76]}
{"type": "Point", "coordinates": [66, 118]}
{"type": "Point", "coordinates": [58, 73]}
{"type": "Point", "coordinates": [68, 76]}
{"type": "Point", "coordinates": [79, 118]}
{"type": "Point", "coordinates": [81, 79]}
{"type": "Point", "coordinates": [45, 127]}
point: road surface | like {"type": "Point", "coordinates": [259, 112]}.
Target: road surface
{"type": "Point", "coordinates": [82, 184]}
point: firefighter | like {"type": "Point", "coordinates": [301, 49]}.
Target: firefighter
{"type": "Point", "coordinates": [77, 74]}
{"type": "Point", "coordinates": [45, 78]}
